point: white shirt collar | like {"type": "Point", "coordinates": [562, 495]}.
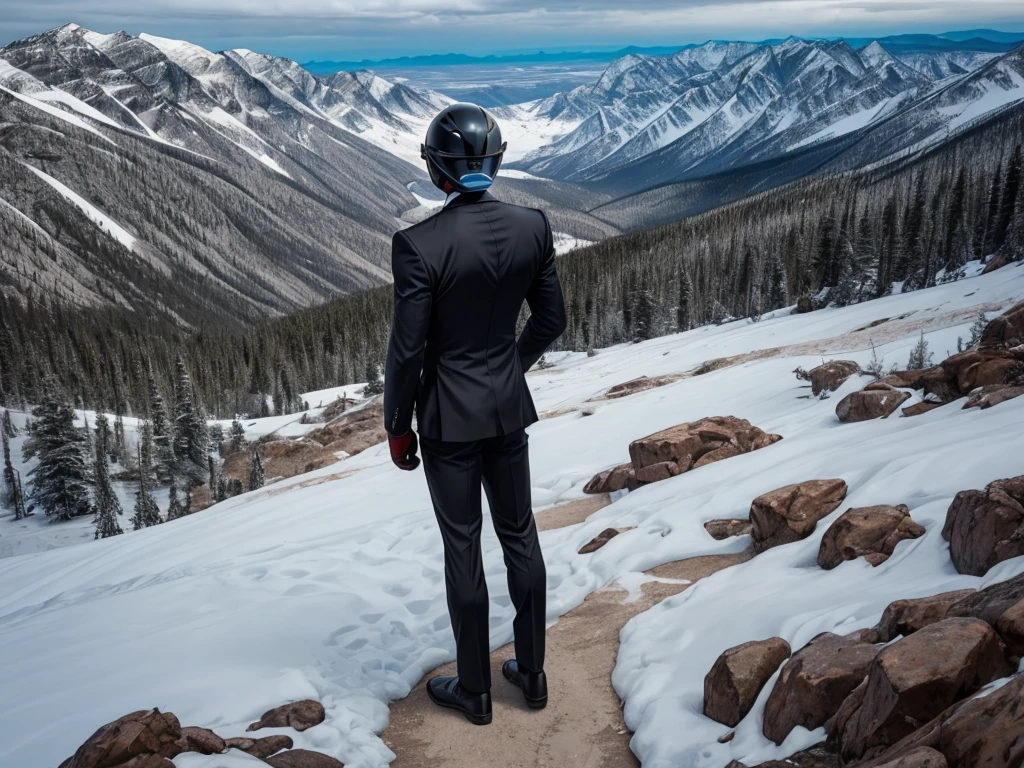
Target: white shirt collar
{"type": "Point", "coordinates": [450, 197]}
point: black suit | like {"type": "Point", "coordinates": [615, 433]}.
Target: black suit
{"type": "Point", "coordinates": [461, 278]}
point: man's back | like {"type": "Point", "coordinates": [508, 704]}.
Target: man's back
{"type": "Point", "coordinates": [461, 278]}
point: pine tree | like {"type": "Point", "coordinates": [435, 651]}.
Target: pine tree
{"type": "Point", "coordinates": [163, 452]}
{"type": "Point", "coordinates": [978, 330]}
{"type": "Point", "coordinates": [107, 505]}
{"type": "Point", "coordinates": [643, 316]}
{"type": "Point", "coordinates": [256, 477]}
{"type": "Point", "coordinates": [1007, 201]}
{"type": "Point", "coordinates": [104, 437]}
{"type": "Point", "coordinates": [119, 447]}
{"type": "Point", "coordinates": [190, 439]}
{"type": "Point", "coordinates": [62, 477]}
{"type": "Point", "coordinates": [684, 312]}
{"type": "Point", "coordinates": [8, 426]}
{"type": "Point", "coordinates": [237, 435]}
{"type": "Point", "coordinates": [146, 453]}
{"type": "Point", "coordinates": [11, 496]}
{"type": "Point", "coordinates": [147, 513]}
{"type": "Point", "coordinates": [174, 508]}
{"type": "Point", "coordinates": [212, 482]}
{"type": "Point", "coordinates": [374, 383]}
{"type": "Point", "coordinates": [920, 357]}
{"type": "Point", "coordinates": [778, 285]}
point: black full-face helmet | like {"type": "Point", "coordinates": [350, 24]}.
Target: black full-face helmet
{"type": "Point", "coordinates": [463, 149]}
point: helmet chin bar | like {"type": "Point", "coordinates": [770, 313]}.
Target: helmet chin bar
{"type": "Point", "coordinates": [476, 182]}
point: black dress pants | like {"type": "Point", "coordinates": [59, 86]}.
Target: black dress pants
{"type": "Point", "coordinates": [455, 472]}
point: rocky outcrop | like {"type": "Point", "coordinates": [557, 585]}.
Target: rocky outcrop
{"type": "Point", "coordinates": [1005, 331]}
{"type": "Point", "coordinates": [904, 617]}
{"type": "Point", "coordinates": [300, 715]}
{"type": "Point", "coordinates": [600, 540]}
{"type": "Point", "coordinates": [303, 758]}
{"type": "Point", "coordinates": [986, 527]}
{"type": "Point", "coordinates": [265, 747]}
{"type": "Point", "coordinates": [980, 367]}
{"type": "Point", "coordinates": [354, 430]}
{"type": "Point", "coordinates": [146, 733]}
{"type": "Point", "coordinates": [737, 677]}
{"type": "Point", "coordinates": [814, 683]}
{"type": "Point", "coordinates": [918, 409]}
{"type": "Point", "coordinates": [1010, 627]}
{"type": "Point", "coordinates": [832, 375]}
{"type": "Point", "coordinates": [914, 680]}
{"type": "Point", "coordinates": [996, 262]}
{"type": "Point", "coordinates": [696, 444]}
{"type": "Point", "coordinates": [876, 401]}
{"type": "Point", "coordinates": [727, 529]}
{"type": "Point", "coordinates": [991, 603]}
{"type": "Point", "coordinates": [866, 531]}
{"type": "Point", "coordinates": [920, 757]}
{"type": "Point", "coordinates": [611, 480]}
{"type": "Point", "coordinates": [987, 731]}
{"type": "Point", "coordinates": [201, 740]}
{"type": "Point", "coordinates": [791, 513]}
{"type": "Point", "coordinates": [991, 396]}
{"type": "Point", "coordinates": [641, 384]}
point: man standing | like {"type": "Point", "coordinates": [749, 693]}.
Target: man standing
{"type": "Point", "coordinates": [461, 278]}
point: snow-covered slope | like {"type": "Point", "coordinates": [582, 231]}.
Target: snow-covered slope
{"type": "Point", "coordinates": [329, 585]}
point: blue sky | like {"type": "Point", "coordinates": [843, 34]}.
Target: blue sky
{"type": "Point", "coordinates": [356, 29]}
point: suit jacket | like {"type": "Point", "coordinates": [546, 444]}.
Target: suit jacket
{"type": "Point", "coordinates": [461, 278]}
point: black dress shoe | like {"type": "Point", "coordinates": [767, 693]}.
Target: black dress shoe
{"type": "Point", "coordinates": [534, 685]}
{"type": "Point", "coordinates": [446, 692]}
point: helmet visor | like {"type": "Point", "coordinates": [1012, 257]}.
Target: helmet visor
{"type": "Point", "coordinates": [474, 172]}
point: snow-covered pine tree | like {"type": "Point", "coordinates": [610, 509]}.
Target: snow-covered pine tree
{"type": "Point", "coordinates": [62, 477]}
{"type": "Point", "coordinates": [374, 383]}
{"type": "Point", "coordinates": [8, 425]}
{"type": "Point", "coordinates": [256, 478]}
{"type": "Point", "coordinates": [163, 452]}
{"type": "Point", "coordinates": [643, 315]}
{"type": "Point", "coordinates": [8, 492]}
{"type": "Point", "coordinates": [190, 439]}
{"type": "Point", "coordinates": [978, 330]}
{"type": "Point", "coordinates": [104, 440]}
{"type": "Point", "coordinates": [777, 287]}
{"type": "Point", "coordinates": [920, 357]}
{"type": "Point", "coordinates": [684, 311]}
{"type": "Point", "coordinates": [237, 435]}
{"type": "Point", "coordinates": [147, 513]}
{"type": "Point", "coordinates": [212, 482]}
{"type": "Point", "coordinates": [120, 446]}
{"type": "Point", "coordinates": [174, 508]}
{"type": "Point", "coordinates": [107, 505]}
{"type": "Point", "coordinates": [145, 453]}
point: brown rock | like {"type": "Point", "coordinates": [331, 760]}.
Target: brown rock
{"type": "Point", "coordinates": [1011, 628]}
{"type": "Point", "coordinates": [832, 375]}
{"type": "Point", "coordinates": [737, 677]}
{"type": "Point", "coordinates": [147, 732]}
{"type": "Point", "coordinates": [991, 603]}
{"type": "Point", "coordinates": [639, 385]}
{"type": "Point", "coordinates": [791, 513]}
{"type": "Point", "coordinates": [300, 715]}
{"type": "Point", "coordinates": [986, 527]}
{"type": "Point", "coordinates": [914, 680]}
{"type": "Point", "coordinates": [871, 636]}
{"type": "Point", "coordinates": [660, 471]}
{"type": "Point", "coordinates": [904, 617]}
{"type": "Point", "coordinates": [614, 479]}
{"type": "Point", "coordinates": [600, 540]}
{"type": "Point", "coordinates": [303, 758]}
{"type": "Point", "coordinates": [988, 731]}
{"type": "Point", "coordinates": [866, 531]}
{"type": "Point", "coordinates": [354, 430]}
{"type": "Point", "coordinates": [921, 757]}
{"type": "Point", "coordinates": [726, 529]}
{"type": "Point", "coordinates": [907, 379]}
{"type": "Point", "coordinates": [978, 367]}
{"type": "Point", "coordinates": [814, 683]}
{"type": "Point", "coordinates": [815, 757]}
{"type": "Point", "coordinates": [917, 409]}
{"type": "Point", "coordinates": [996, 262]}
{"type": "Point", "coordinates": [989, 397]}
{"type": "Point", "coordinates": [261, 748]}
{"type": "Point", "coordinates": [870, 404]}
{"type": "Point", "coordinates": [201, 740]}
{"type": "Point", "coordinates": [147, 761]}
{"type": "Point", "coordinates": [698, 443]}
{"type": "Point", "coordinates": [1005, 331]}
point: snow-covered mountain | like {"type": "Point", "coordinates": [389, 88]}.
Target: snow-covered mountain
{"type": "Point", "coordinates": [654, 120]}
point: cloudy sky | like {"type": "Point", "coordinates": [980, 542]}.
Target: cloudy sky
{"type": "Point", "coordinates": [355, 29]}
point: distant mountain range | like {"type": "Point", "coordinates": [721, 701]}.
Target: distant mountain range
{"type": "Point", "coordinates": [987, 40]}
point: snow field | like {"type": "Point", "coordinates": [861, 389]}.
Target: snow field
{"type": "Point", "coordinates": [330, 584]}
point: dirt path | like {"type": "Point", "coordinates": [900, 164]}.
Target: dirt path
{"type": "Point", "coordinates": [582, 726]}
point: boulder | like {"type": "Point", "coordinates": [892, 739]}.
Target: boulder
{"type": "Point", "coordinates": [1010, 627]}
{"type": "Point", "coordinates": [918, 409]}
{"type": "Point", "coordinates": [832, 375]}
{"type": "Point", "coordinates": [979, 367]}
{"type": "Point", "coordinates": [914, 680]}
{"type": "Point", "coordinates": [996, 262]}
{"type": "Point", "coordinates": [904, 617]}
{"type": "Point", "coordinates": [639, 385]}
{"type": "Point", "coordinates": [815, 757]}
{"type": "Point", "coordinates": [303, 758]}
{"type": "Point", "coordinates": [814, 683]}
{"type": "Point", "coordinates": [354, 430]}
{"type": "Point", "coordinates": [991, 396]}
{"type": "Point", "coordinates": [986, 527]}
{"type": "Point", "coordinates": [877, 403]}
{"type": "Point", "coordinates": [914, 379]}
{"type": "Point", "coordinates": [989, 604]}
{"type": "Point", "coordinates": [1005, 331]}
{"type": "Point", "coordinates": [987, 731]}
{"type": "Point", "coordinates": [600, 540]}
{"type": "Point", "coordinates": [143, 733]}
{"type": "Point", "coordinates": [261, 748]}
{"type": "Point", "coordinates": [726, 529]}
{"type": "Point", "coordinates": [737, 677]}
{"type": "Point", "coordinates": [791, 513]}
{"type": "Point", "coordinates": [864, 531]}
{"type": "Point", "coordinates": [663, 470]}
{"type": "Point", "coordinates": [921, 757]}
{"type": "Point", "coordinates": [300, 715]}
{"type": "Point", "coordinates": [611, 480]}
{"type": "Point", "coordinates": [698, 443]}
{"type": "Point", "coordinates": [201, 740]}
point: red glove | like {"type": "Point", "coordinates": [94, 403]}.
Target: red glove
{"type": "Point", "coordinates": [403, 451]}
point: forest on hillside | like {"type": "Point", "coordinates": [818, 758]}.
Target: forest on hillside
{"type": "Point", "coordinates": [841, 239]}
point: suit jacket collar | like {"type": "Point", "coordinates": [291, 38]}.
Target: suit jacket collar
{"type": "Point", "coordinates": [468, 198]}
